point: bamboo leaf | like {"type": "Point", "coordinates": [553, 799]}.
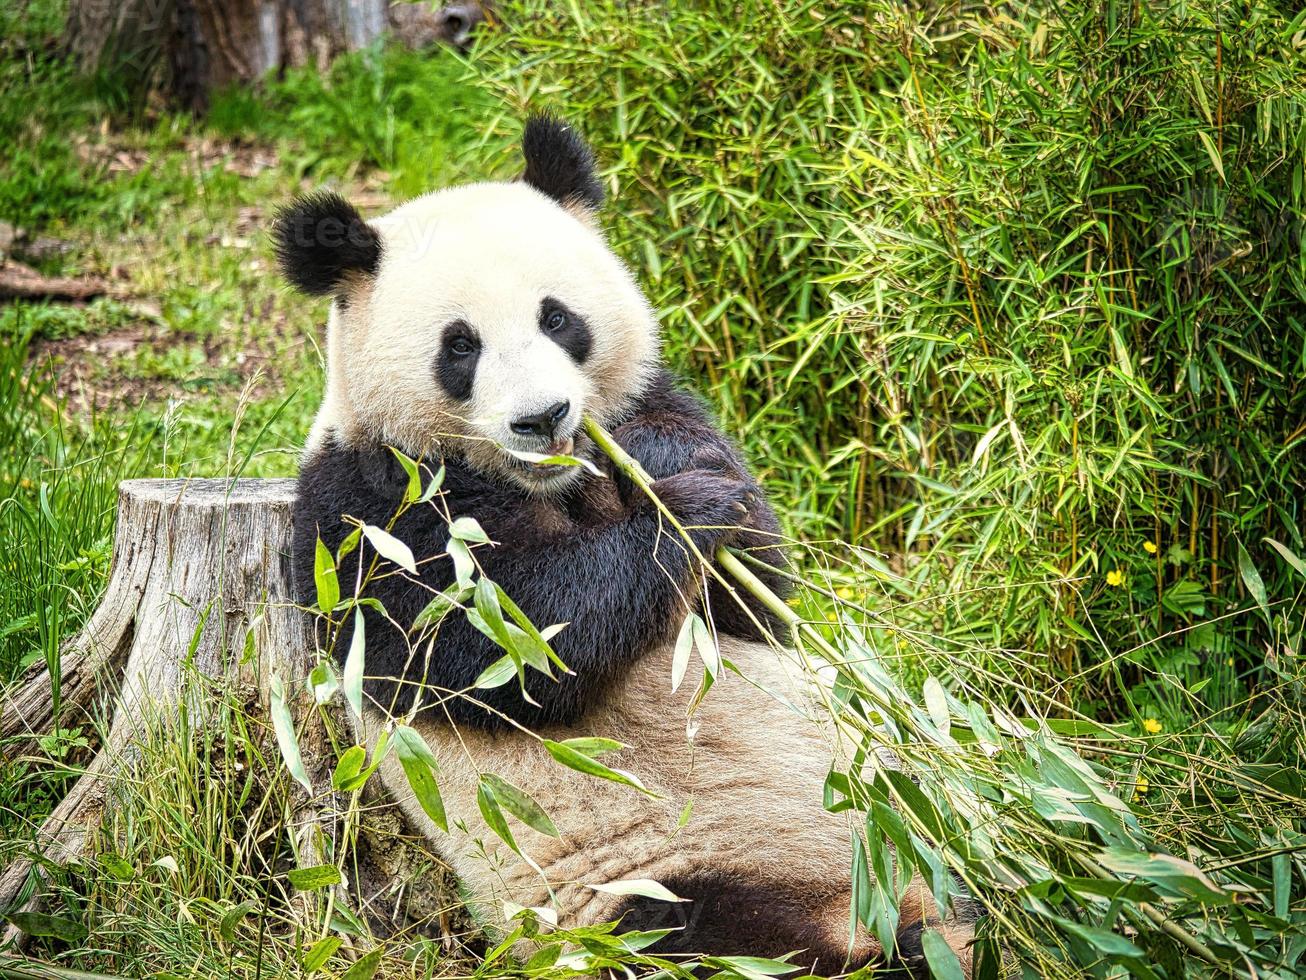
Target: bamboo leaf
{"type": "Point", "coordinates": [433, 487]}
{"type": "Point", "coordinates": [705, 643]}
{"type": "Point", "coordinates": [641, 887]}
{"type": "Point", "coordinates": [943, 962]}
{"type": "Point", "coordinates": [48, 926]}
{"type": "Point", "coordinates": [1288, 555]}
{"type": "Point", "coordinates": [936, 703]}
{"type": "Point", "coordinates": [355, 665]}
{"type": "Point", "coordinates": [439, 607]}
{"type": "Point", "coordinates": [463, 565]}
{"type": "Point", "coordinates": [320, 952]}
{"type": "Point", "coordinates": [986, 442]}
{"type": "Point", "coordinates": [1209, 145]}
{"type": "Point", "coordinates": [751, 967]}
{"type": "Point", "coordinates": [390, 548]}
{"type": "Point", "coordinates": [323, 682]}
{"type": "Point", "coordinates": [287, 740]}
{"type": "Point", "coordinates": [365, 967]}
{"type": "Point", "coordinates": [1252, 579]}
{"type": "Point", "coordinates": [684, 646]}
{"type": "Point", "coordinates": [520, 805]}
{"type": "Point", "coordinates": [497, 674]}
{"type": "Point", "coordinates": [1106, 943]}
{"type": "Point", "coordinates": [233, 917]}
{"type": "Point", "coordinates": [493, 815]}
{"type": "Point", "coordinates": [414, 491]}
{"type": "Point", "coordinates": [348, 768]}
{"type": "Point", "coordinates": [324, 578]}
{"type": "Point", "coordinates": [468, 529]}
{"type": "Point", "coordinates": [420, 767]}
{"type": "Point", "coordinates": [580, 762]}
{"type": "Point", "coordinates": [349, 545]}
{"type": "Point", "coordinates": [593, 745]}
{"type": "Point", "coordinates": [311, 879]}
{"type": "Point", "coordinates": [555, 459]}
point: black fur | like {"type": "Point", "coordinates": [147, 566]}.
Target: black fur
{"type": "Point", "coordinates": [560, 163]}
{"type": "Point", "coordinates": [598, 559]}
{"type": "Point", "coordinates": [455, 368]}
{"type": "Point", "coordinates": [733, 917]}
{"type": "Point", "coordinates": [321, 239]}
{"type": "Point", "coordinates": [573, 336]}
{"type": "Point", "coordinates": [741, 917]}
{"type": "Point", "coordinates": [909, 962]}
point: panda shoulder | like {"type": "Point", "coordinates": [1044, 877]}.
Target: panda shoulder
{"type": "Point", "coordinates": [668, 393]}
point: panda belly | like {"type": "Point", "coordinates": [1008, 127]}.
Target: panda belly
{"type": "Point", "coordinates": [765, 867]}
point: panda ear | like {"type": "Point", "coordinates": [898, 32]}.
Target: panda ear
{"type": "Point", "coordinates": [321, 241]}
{"type": "Point", "coordinates": [559, 163]}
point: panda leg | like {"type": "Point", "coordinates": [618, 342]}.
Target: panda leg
{"type": "Point", "coordinates": [728, 914]}
{"type": "Point", "coordinates": [919, 915]}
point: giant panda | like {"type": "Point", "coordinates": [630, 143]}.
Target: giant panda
{"type": "Point", "coordinates": [487, 319]}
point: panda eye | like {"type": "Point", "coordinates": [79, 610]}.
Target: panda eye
{"type": "Point", "coordinates": [461, 347]}
{"type": "Point", "coordinates": [555, 321]}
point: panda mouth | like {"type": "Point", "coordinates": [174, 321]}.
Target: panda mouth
{"type": "Point", "coordinates": [552, 460]}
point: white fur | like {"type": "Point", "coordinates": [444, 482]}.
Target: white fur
{"type": "Point", "coordinates": [487, 254]}
{"type": "Point", "coordinates": [753, 773]}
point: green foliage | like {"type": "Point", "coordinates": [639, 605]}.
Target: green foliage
{"type": "Point", "coordinates": [1096, 852]}
{"type": "Point", "coordinates": [1005, 299]}
{"type": "Point", "coordinates": [58, 488]}
{"type": "Point", "coordinates": [410, 113]}
{"type": "Point", "coordinates": [1010, 299]}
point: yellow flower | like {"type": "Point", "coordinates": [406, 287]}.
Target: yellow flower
{"type": "Point", "coordinates": [1149, 547]}
{"type": "Point", "coordinates": [1151, 726]}
{"type": "Point", "coordinates": [843, 592]}
{"type": "Point", "coordinates": [1141, 787]}
{"type": "Point", "coordinates": [1115, 578]}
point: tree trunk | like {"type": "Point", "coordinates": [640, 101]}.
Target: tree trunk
{"type": "Point", "coordinates": [187, 554]}
{"type": "Point", "coordinates": [191, 48]}
{"type": "Point", "coordinates": [200, 575]}
{"type": "Point", "coordinates": [200, 586]}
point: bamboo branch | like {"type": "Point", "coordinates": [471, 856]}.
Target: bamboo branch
{"type": "Point", "coordinates": [726, 559]}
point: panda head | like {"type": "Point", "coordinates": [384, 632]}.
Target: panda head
{"type": "Point", "coordinates": [476, 321]}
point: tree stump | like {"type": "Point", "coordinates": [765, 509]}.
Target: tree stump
{"type": "Point", "coordinates": [200, 577]}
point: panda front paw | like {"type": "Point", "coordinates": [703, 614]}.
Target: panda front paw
{"type": "Point", "coordinates": [713, 506]}
{"type": "Point", "coordinates": [718, 460]}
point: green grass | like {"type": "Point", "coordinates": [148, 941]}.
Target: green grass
{"type": "Point", "coordinates": [1008, 309]}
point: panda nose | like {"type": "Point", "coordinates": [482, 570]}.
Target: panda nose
{"type": "Point", "coordinates": [541, 423]}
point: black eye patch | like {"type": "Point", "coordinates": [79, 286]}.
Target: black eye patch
{"type": "Point", "coordinates": [566, 329]}
{"type": "Point", "coordinates": [455, 364]}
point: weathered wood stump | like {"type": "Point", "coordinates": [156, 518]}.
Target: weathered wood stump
{"type": "Point", "coordinates": [200, 576]}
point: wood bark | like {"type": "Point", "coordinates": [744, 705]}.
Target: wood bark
{"type": "Point", "coordinates": [184, 551]}
{"type": "Point", "coordinates": [200, 575]}
{"type": "Point", "coordinates": [200, 579]}
{"type": "Point", "coordinates": [19, 281]}
{"type": "Point", "coordinates": [191, 48]}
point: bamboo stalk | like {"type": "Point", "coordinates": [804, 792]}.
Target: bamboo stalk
{"type": "Point", "coordinates": [725, 558]}
{"type": "Point", "coordinates": [730, 562]}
